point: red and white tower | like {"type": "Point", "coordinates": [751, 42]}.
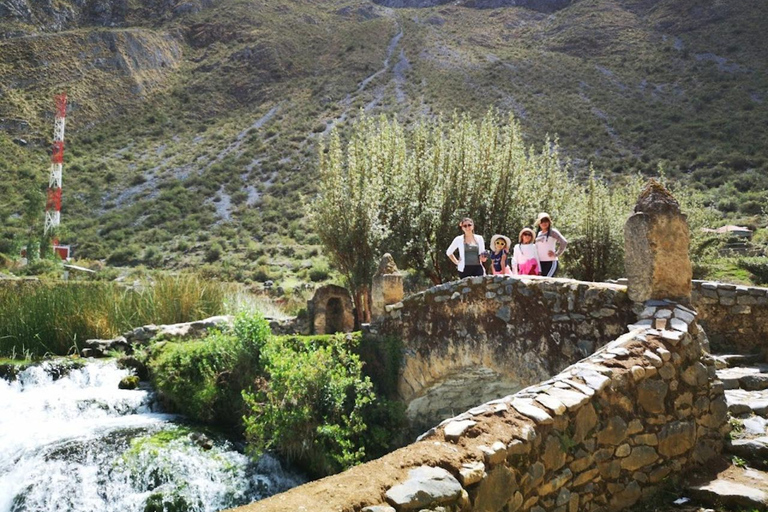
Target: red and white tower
{"type": "Point", "coordinates": [53, 202]}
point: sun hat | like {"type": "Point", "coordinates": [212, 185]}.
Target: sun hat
{"type": "Point", "coordinates": [525, 230]}
{"type": "Point", "coordinates": [496, 237]}
{"type": "Point", "coordinates": [542, 216]}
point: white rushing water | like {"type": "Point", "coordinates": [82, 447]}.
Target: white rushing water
{"type": "Point", "coordinates": [81, 444]}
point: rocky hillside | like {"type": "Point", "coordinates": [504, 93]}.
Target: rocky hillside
{"type": "Point", "coordinates": [193, 126]}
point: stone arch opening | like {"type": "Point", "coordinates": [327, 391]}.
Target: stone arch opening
{"type": "Point", "coordinates": [456, 392]}
{"type": "Point", "coordinates": [334, 316]}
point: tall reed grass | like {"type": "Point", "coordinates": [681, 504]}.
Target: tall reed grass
{"type": "Point", "coordinates": [56, 318]}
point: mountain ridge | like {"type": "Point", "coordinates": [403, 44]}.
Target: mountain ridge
{"type": "Point", "coordinates": [207, 120]}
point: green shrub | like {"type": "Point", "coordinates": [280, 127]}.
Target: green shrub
{"type": "Point", "coordinates": [758, 267]}
{"type": "Point", "coordinates": [214, 252]}
{"type": "Point", "coordinates": [123, 256]}
{"type": "Point", "coordinates": [310, 406]}
{"type": "Point", "coordinates": [204, 379]}
{"type": "Point", "coordinates": [317, 274]}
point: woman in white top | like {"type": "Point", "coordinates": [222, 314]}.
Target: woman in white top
{"type": "Point", "coordinates": [549, 243]}
{"type": "Point", "coordinates": [471, 249]}
{"type": "Point", "coordinates": [525, 257]}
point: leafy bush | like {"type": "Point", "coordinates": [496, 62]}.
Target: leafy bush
{"type": "Point", "coordinates": [310, 405]}
{"type": "Point", "coordinates": [124, 255]}
{"type": "Point", "coordinates": [758, 267]}
{"type": "Point", "coordinates": [214, 252]}
{"type": "Point", "coordinates": [204, 378]}
{"type": "Point", "coordinates": [317, 274]}
{"type": "Point", "coordinates": [304, 397]}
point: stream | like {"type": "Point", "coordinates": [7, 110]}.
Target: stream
{"type": "Point", "coordinates": [78, 443]}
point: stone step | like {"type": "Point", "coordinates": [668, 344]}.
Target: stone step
{"type": "Point", "coordinates": [742, 402]}
{"type": "Point", "coordinates": [733, 488]}
{"type": "Point", "coordinates": [753, 451]}
{"type": "Point", "coordinates": [752, 377]}
{"type": "Point", "coordinates": [733, 360]}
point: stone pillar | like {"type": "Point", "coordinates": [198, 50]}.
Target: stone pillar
{"type": "Point", "coordinates": [387, 286]}
{"type": "Point", "coordinates": [656, 240]}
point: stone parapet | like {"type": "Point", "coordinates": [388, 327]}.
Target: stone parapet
{"type": "Point", "coordinates": [734, 317]}
{"type": "Point", "coordinates": [656, 240]}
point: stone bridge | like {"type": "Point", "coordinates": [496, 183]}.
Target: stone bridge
{"type": "Point", "coordinates": [470, 341]}
{"type": "Point", "coordinates": [481, 338]}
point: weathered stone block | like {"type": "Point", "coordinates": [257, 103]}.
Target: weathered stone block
{"type": "Point", "coordinates": [425, 486]}
{"type": "Point", "coordinates": [585, 477]}
{"type": "Point", "coordinates": [614, 432]}
{"type": "Point", "coordinates": [676, 438]}
{"type": "Point", "coordinates": [640, 457]}
{"type": "Point", "coordinates": [471, 473]}
{"type": "Point", "coordinates": [554, 456]}
{"type": "Point", "coordinates": [496, 490]}
{"type": "Point", "coordinates": [585, 421]}
{"type": "Point", "coordinates": [656, 240]}
{"type": "Point", "coordinates": [651, 395]}
{"type": "Point", "coordinates": [555, 483]}
{"type": "Point", "coordinates": [627, 497]}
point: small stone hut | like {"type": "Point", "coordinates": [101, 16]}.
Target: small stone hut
{"type": "Point", "coordinates": [331, 310]}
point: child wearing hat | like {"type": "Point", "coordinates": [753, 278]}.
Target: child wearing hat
{"type": "Point", "coordinates": [525, 257]}
{"type": "Point", "coordinates": [499, 254]}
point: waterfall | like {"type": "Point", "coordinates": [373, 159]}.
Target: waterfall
{"type": "Point", "coordinates": [78, 443]}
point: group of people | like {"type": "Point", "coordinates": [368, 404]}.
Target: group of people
{"type": "Point", "coordinates": [536, 253]}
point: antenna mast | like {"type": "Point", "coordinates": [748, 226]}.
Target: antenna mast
{"type": "Point", "coordinates": [53, 202]}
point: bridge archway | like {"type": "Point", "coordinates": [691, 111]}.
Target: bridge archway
{"type": "Point", "coordinates": [470, 341]}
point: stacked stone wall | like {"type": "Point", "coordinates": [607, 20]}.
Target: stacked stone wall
{"type": "Point", "coordinates": [517, 330]}
{"type": "Point", "coordinates": [735, 318]}
{"type": "Point", "coordinates": [600, 435]}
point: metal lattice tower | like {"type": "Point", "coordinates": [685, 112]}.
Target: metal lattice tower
{"type": "Point", "coordinates": [53, 202]}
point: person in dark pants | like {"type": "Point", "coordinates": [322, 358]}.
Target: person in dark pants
{"type": "Point", "coordinates": [471, 249]}
{"type": "Point", "coordinates": [550, 244]}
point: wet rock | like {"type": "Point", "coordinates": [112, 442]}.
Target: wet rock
{"type": "Point", "coordinates": [129, 382]}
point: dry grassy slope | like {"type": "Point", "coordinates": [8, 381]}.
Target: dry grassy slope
{"type": "Point", "coordinates": [193, 117]}
{"type": "Point", "coordinates": [103, 71]}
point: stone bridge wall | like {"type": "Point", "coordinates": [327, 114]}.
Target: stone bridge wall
{"type": "Point", "coordinates": [734, 317]}
{"type": "Point", "coordinates": [598, 436]}
{"type": "Point", "coordinates": [472, 340]}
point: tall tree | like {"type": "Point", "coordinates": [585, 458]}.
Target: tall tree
{"type": "Point", "coordinates": [347, 214]}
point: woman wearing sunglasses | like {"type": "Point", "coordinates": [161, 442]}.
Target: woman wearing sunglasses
{"type": "Point", "coordinates": [471, 249]}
